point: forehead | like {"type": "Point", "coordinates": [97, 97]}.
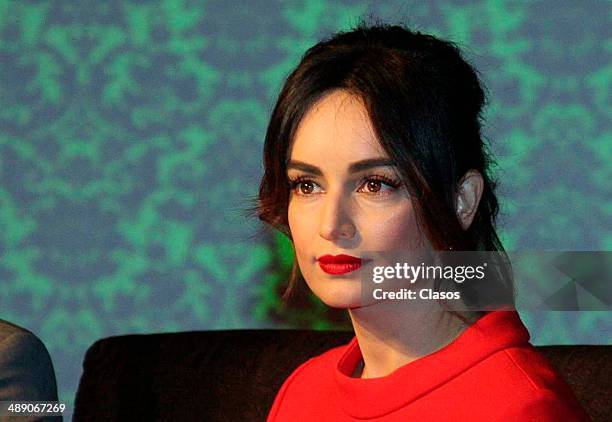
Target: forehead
{"type": "Point", "coordinates": [336, 128]}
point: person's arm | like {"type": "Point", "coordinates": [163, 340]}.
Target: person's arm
{"type": "Point", "coordinates": [546, 406]}
{"type": "Point", "coordinates": [26, 370]}
{"type": "Point", "coordinates": [278, 400]}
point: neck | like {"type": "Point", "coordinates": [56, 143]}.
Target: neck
{"type": "Point", "coordinates": [391, 335]}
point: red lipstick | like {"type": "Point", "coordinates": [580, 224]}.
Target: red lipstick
{"type": "Point", "coordinates": [339, 264]}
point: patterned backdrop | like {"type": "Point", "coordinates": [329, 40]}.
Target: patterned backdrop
{"type": "Point", "coordinates": [130, 147]}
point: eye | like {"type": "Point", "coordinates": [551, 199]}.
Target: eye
{"type": "Point", "coordinates": [374, 184]}
{"type": "Point", "coordinates": [371, 185]}
{"type": "Point", "coordinates": [303, 185]}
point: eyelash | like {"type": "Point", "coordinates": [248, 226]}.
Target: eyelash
{"type": "Point", "coordinates": [294, 183]}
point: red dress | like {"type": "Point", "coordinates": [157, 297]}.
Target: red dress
{"type": "Point", "coordinates": [489, 373]}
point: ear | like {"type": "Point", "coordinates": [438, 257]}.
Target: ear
{"type": "Point", "coordinates": [468, 197]}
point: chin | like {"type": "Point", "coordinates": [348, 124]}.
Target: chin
{"type": "Point", "coordinates": [341, 294]}
{"type": "Point", "coordinates": [341, 304]}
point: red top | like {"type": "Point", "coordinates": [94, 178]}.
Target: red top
{"type": "Point", "coordinates": [489, 373]}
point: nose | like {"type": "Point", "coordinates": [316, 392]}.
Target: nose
{"type": "Point", "coordinates": [336, 220]}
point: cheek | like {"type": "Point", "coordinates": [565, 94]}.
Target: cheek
{"type": "Point", "coordinates": [302, 228]}
{"type": "Point", "coordinates": [398, 230]}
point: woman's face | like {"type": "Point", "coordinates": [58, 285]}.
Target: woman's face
{"type": "Point", "coordinates": [346, 198]}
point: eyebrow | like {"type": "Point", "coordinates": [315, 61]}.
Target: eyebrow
{"type": "Point", "coordinates": [353, 168]}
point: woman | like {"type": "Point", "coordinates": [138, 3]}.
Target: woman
{"type": "Point", "coordinates": [375, 145]}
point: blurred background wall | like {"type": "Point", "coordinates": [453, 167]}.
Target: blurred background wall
{"type": "Point", "coordinates": [130, 145]}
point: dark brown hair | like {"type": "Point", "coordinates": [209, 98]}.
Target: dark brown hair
{"type": "Point", "coordinates": [425, 103]}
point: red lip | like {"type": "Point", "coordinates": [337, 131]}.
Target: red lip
{"type": "Point", "coordinates": [338, 259]}
{"type": "Point", "coordinates": [339, 264]}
